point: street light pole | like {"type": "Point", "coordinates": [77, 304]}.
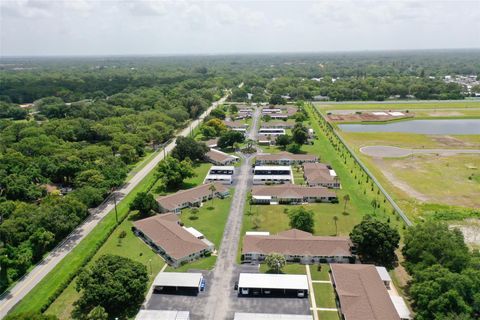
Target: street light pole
{"type": "Point", "coordinates": [115, 204]}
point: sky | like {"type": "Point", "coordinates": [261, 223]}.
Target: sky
{"type": "Point", "coordinates": [137, 27]}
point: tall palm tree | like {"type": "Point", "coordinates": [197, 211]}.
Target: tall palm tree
{"type": "Point", "coordinates": [212, 189]}
{"type": "Point", "coordinates": [346, 198]}
{"type": "Point", "coordinates": [335, 219]}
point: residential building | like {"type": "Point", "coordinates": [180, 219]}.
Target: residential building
{"type": "Point", "coordinates": [284, 158]}
{"type": "Point", "coordinates": [220, 158]}
{"type": "Point", "coordinates": [291, 194]}
{"type": "Point", "coordinates": [174, 243]}
{"type": "Point", "coordinates": [298, 246]}
{"type": "Point", "coordinates": [319, 174]}
{"type": "Point", "coordinates": [222, 174]}
{"type": "Point", "coordinates": [193, 197]}
{"type": "Point", "coordinates": [278, 124]}
{"type": "Point", "coordinates": [212, 143]}
{"type": "Point", "coordinates": [361, 293]}
{"type": "Point", "coordinates": [272, 174]}
{"type": "Point", "coordinates": [235, 124]}
{"type": "Point", "coordinates": [271, 131]}
{"type": "Point", "coordinates": [269, 140]}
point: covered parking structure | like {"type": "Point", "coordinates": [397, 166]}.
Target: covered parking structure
{"type": "Point", "coordinates": [178, 283]}
{"type": "Point", "coordinates": [258, 284]}
{"type": "Point", "coordinates": [162, 315]}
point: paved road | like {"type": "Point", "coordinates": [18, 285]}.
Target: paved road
{"type": "Point", "coordinates": [396, 152]}
{"type": "Point", "coordinates": [218, 306]}
{"type": "Point", "coordinates": [24, 286]}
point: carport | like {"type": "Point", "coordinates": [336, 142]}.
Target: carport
{"type": "Point", "coordinates": [178, 283]}
{"type": "Point", "coordinates": [256, 284]}
{"type": "Point", "coordinates": [162, 315]}
{"type": "Point", "coordinates": [270, 316]}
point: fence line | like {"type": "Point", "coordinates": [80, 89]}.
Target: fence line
{"type": "Point", "coordinates": [397, 209]}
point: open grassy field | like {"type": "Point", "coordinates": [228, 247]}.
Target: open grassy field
{"type": "Point", "coordinates": [412, 105]}
{"type": "Point", "coordinates": [411, 140]}
{"type": "Point", "coordinates": [421, 184]}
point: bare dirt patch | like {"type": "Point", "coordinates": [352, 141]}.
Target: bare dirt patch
{"type": "Point", "coordinates": [450, 141]}
{"type": "Point", "coordinates": [471, 231]}
{"type": "Point", "coordinates": [400, 184]}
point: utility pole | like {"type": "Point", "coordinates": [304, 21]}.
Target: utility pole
{"type": "Point", "coordinates": [115, 204]}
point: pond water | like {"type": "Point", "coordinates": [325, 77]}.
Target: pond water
{"type": "Point", "coordinates": [447, 126]}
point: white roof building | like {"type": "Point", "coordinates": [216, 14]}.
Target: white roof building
{"type": "Point", "coordinates": [401, 307]}
{"type": "Point", "coordinates": [178, 279]}
{"type": "Point", "coordinates": [273, 281]}
{"type": "Point", "coordinates": [162, 315]}
{"type": "Point", "coordinates": [257, 233]}
{"type": "Point", "coordinates": [383, 273]}
{"type": "Point", "coordinates": [270, 316]}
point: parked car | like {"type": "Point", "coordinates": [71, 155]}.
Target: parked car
{"type": "Point", "coordinates": [202, 285]}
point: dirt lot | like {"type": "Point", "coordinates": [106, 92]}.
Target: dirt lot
{"type": "Point", "coordinates": [471, 231]}
{"type": "Point", "coordinates": [366, 117]}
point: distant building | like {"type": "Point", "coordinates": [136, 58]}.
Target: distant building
{"type": "Point", "coordinates": [298, 246]}
{"type": "Point", "coordinates": [284, 158]}
{"type": "Point", "coordinates": [271, 131]}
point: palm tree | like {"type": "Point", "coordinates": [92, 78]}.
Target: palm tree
{"type": "Point", "coordinates": [335, 219]}
{"type": "Point", "coordinates": [346, 198]}
{"type": "Point", "coordinates": [213, 189]}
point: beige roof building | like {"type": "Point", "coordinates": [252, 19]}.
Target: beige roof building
{"type": "Point", "coordinates": [361, 293]}
{"type": "Point", "coordinates": [319, 174]}
{"type": "Point", "coordinates": [297, 244]}
{"type": "Point", "coordinates": [235, 124]}
{"type": "Point", "coordinates": [220, 158]}
{"type": "Point", "coordinates": [191, 197]}
{"type": "Point", "coordinates": [167, 237]}
{"type": "Point", "coordinates": [284, 158]}
{"type": "Point", "coordinates": [278, 124]}
{"type": "Point", "coordinates": [288, 193]}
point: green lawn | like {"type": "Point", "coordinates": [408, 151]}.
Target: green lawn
{"type": "Point", "coordinates": [290, 268]}
{"type": "Point", "coordinates": [130, 247]}
{"type": "Point", "coordinates": [212, 217]}
{"type": "Point", "coordinates": [324, 295]}
{"type": "Point", "coordinates": [298, 175]}
{"type": "Point", "coordinates": [397, 106]}
{"type": "Point", "coordinates": [328, 315]}
{"type": "Point", "coordinates": [322, 274]}
{"type": "Point", "coordinates": [202, 264]}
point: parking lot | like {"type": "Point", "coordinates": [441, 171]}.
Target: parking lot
{"type": "Point", "coordinates": [273, 303]}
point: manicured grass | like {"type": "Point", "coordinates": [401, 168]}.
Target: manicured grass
{"type": "Point", "coordinates": [322, 274]}
{"type": "Point", "coordinates": [202, 264]}
{"type": "Point", "coordinates": [212, 217]}
{"type": "Point", "coordinates": [130, 247]}
{"type": "Point", "coordinates": [398, 106]}
{"type": "Point", "coordinates": [298, 175]}
{"type": "Point", "coordinates": [72, 263]}
{"type": "Point", "coordinates": [328, 315]}
{"type": "Point", "coordinates": [324, 295]}
{"type": "Point", "coordinates": [290, 268]}
{"type": "Point", "coordinates": [274, 218]}
{"type": "Point", "coordinates": [201, 170]}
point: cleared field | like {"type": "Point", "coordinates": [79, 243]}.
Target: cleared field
{"type": "Point", "coordinates": [399, 105]}
{"type": "Point", "coordinates": [425, 183]}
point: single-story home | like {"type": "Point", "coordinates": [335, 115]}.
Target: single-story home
{"type": "Point", "coordinates": [278, 124]}
{"type": "Point", "coordinates": [220, 158]}
{"type": "Point", "coordinates": [191, 197]}
{"type": "Point", "coordinates": [292, 194]}
{"type": "Point", "coordinates": [361, 294]}
{"type": "Point", "coordinates": [174, 243]}
{"type": "Point", "coordinates": [235, 124]}
{"type": "Point", "coordinates": [263, 139]}
{"type": "Point", "coordinates": [298, 246]}
{"type": "Point", "coordinates": [319, 174]}
{"type": "Point", "coordinates": [285, 158]}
